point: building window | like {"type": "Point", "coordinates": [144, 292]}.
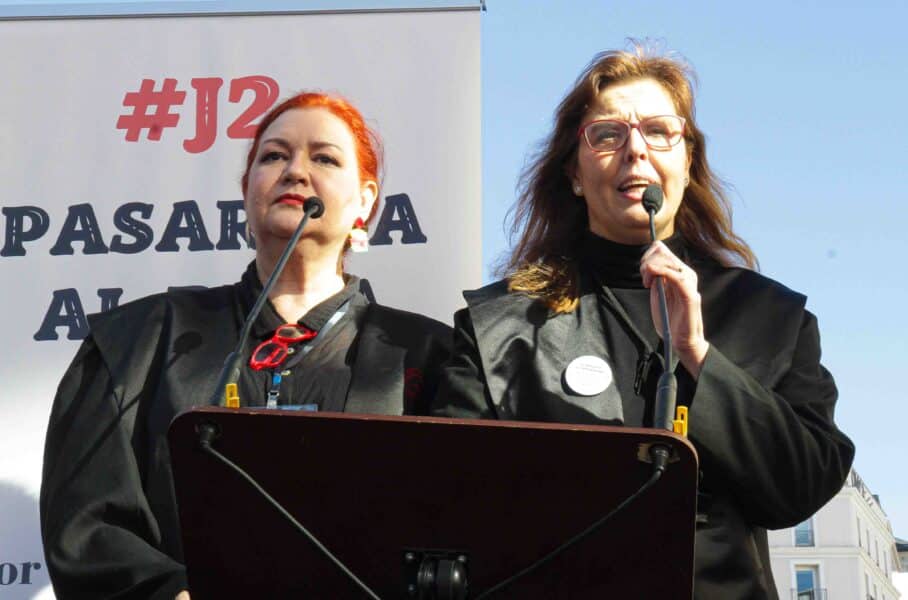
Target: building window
{"type": "Point", "coordinates": [807, 579]}
{"type": "Point", "coordinates": [860, 539]}
{"type": "Point", "coordinates": [804, 533]}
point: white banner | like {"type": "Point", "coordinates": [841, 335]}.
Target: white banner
{"type": "Point", "coordinates": [122, 147]}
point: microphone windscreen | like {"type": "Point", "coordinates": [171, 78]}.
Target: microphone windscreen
{"type": "Point", "coordinates": [652, 198]}
{"type": "Point", "coordinates": [314, 206]}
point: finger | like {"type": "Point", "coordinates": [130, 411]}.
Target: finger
{"type": "Point", "coordinates": [660, 267]}
{"type": "Point", "coordinates": [658, 248]}
{"type": "Point", "coordinates": [677, 276]}
{"type": "Point", "coordinates": [654, 248]}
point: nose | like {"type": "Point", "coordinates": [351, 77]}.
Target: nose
{"type": "Point", "coordinates": [297, 170]}
{"type": "Point", "coordinates": [635, 147]}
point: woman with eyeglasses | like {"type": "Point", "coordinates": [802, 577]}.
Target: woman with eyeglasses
{"type": "Point", "coordinates": [572, 334]}
{"type": "Point", "coordinates": [109, 521]}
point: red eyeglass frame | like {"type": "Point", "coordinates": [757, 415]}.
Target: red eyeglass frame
{"type": "Point", "coordinates": [581, 132]}
{"type": "Point", "coordinates": [281, 346]}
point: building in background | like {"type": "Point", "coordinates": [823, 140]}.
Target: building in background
{"type": "Point", "coordinates": [846, 551]}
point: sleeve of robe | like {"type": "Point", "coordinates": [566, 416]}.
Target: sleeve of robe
{"type": "Point", "coordinates": [100, 536]}
{"type": "Point", "coordinates": [777, 451]}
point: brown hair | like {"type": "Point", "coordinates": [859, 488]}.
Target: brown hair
{"type": "Point", "coordinates": [550, 219]}
{"type": "Point", "coordinates": [368, 144]}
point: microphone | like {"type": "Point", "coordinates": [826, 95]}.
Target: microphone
{"type": "Point", "coordinates": [225, 390]}
{"type": "Point", "coordinates": [314, 208]}
{"type": "Point", "coordinates": [667, 388]}
{"type": "Point", "coordinates": [652, 200]}
{"type": "Point", "coordinates": [652, 203]}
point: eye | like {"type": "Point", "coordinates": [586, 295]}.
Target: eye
{"type": "Point", "coordinates": [326, 159]}
{"type": "Point", "coordinates": [663, 129]}
{"type": "Point", "coordinates": [606, 132]}
{"type": "Point", "coordinates": [272, 155]}
{"type": "Point", "coordinates": [606, 135]}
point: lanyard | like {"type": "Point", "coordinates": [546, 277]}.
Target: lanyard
{"type": "Point", "coordinates": [274, 391]}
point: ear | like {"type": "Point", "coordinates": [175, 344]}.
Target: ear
{"type": "Point", "coordinates": [687, 170]}
{"type": "Point", "coordinates": [368, 194]}
{"type": "Point", "coordinates": [246, 207]}
{"type": "Point", "coordinates": [576, 186]}
{"type": "Point", "coordinates": [570, 171]}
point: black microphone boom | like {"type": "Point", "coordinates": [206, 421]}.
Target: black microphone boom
{"type": "Point", "coordinates": [313, 207]}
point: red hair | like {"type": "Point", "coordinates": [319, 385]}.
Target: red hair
{"type": "Point", "coordinates": [368, 144]}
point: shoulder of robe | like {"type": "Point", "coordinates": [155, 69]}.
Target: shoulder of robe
{"type": "Point", "coordinates": [495, 308]}
{"type": "Point", "coordinates": [132, 331]}
{"type": "Point", "coordinates": [493, 291]}
{"type": "Point", "coordinates": [756, 321]}
{"type": "Point", "coordinates": [738, 285]}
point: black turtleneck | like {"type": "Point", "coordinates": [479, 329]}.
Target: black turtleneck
{"type": "Point", "coordinates": [619, 264]}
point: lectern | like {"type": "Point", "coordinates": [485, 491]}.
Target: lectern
{"type": "Point", "coordinates": [382, 493]}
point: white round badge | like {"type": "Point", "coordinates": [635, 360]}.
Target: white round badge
{"type": "Point", "coordinates": [588, 375]}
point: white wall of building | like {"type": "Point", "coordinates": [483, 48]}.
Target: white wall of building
{"type": "Point", "coordinates": [853, 551]}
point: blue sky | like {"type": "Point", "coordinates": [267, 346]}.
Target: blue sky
{"type": "Point", "coordinates": [803, 107]}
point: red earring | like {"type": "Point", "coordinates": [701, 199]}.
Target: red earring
{"type": "Point", "coordinates": [359, 237]}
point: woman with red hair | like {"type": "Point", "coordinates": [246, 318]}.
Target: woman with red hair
{"type": "Point", "coordinates": [108, 514]}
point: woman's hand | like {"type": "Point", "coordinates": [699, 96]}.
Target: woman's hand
{"type": "Point", "coordinates": [184, 595]}
{"type": "Point", "coordinates": [683, 300]}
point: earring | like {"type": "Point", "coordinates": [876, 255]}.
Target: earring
{"type": "Point", "coordinates": [686, 181]}
{"type": "Point", "coordinates": [359, 237]}
{"type": "Point", "coordinates": [578, 191]}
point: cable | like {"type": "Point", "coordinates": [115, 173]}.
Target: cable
{"type": "Point", "coordinates": [206, 447]}
{"type": "Point", "coordinates": [657, 473]}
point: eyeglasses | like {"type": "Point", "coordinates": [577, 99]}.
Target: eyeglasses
{"type": "Point", "coordinates": [607, 135]}
{"type": "Point", "coordinates": [274, 351]}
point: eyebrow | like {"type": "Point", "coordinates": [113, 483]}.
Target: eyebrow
{"type": "Point", "coordinates": [314, 145]}
{"type": "Point", "coordinates": [317, 144]}
{"type": "Point", "coordinates": [620, 116]}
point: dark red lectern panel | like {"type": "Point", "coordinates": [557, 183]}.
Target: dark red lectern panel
{"type": "Point", "coordinates": [369, 487]}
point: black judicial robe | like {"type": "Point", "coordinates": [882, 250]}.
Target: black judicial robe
{"type": "Point", "coordinates": [761, 412]}
{"type": "Point", "coordinates": [109, 521]}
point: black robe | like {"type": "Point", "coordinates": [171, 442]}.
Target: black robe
{"type": "Point", "coordinates": [761, 412]}
{"type": "Point", "coordinates": [108, 515]}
